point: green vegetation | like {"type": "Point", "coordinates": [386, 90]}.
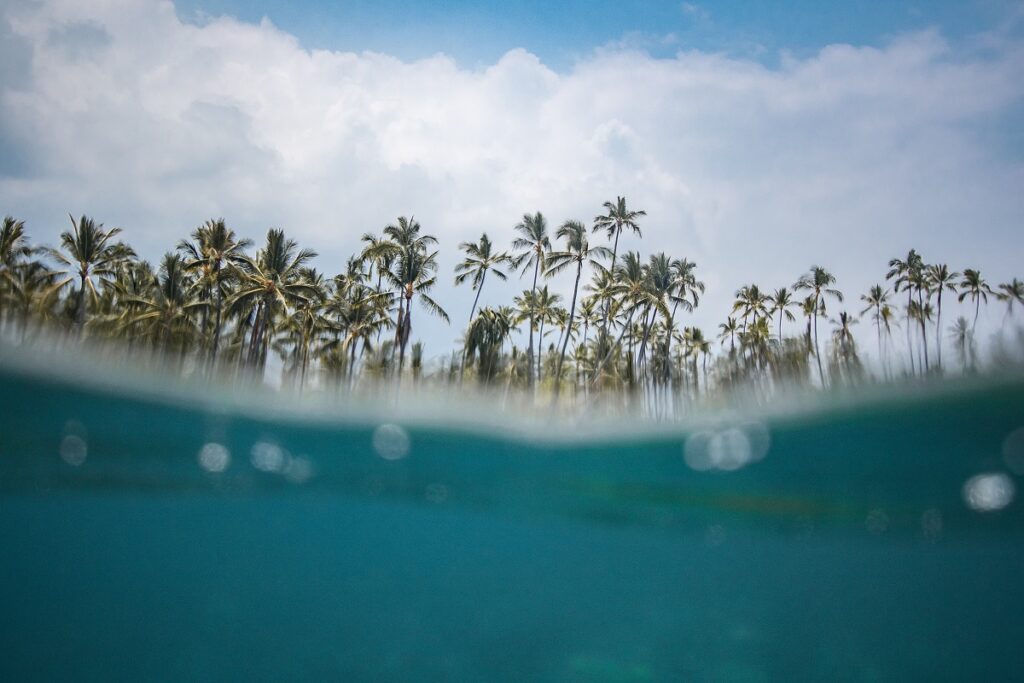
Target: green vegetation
{"type": "Point", "coordinates": [217, 306]}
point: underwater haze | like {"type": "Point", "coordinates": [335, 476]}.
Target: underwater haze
{"type": "Point", "coordinates": [154, 539]}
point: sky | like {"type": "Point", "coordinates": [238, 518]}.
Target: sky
{"type": "Point", "coordinates": [760, 137]}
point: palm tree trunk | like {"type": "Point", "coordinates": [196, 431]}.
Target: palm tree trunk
{"type": "Point", "coordinates": [483, 278]}
{"type": "Point", "coordinates": [462, 365]}
{"type": "Point", "coordinates": [817, 350]}
{"type": "Point", "coordinates": [938, 331]}
{"type": "Point", "coordinates": [406, 332]}
{"type": "Point", "coordinates": [219, 298]}
{"type": "Point", "coordinates": [540, 349]}
{"type": "Point", "coordinates": [611, 351]}
{"type": "Point", "coordinates": [977, 309]}
{"type": "Point", "coordinates": [607, 302]}
{"type": "Point", "coordinates": [255, 333]}
{"type": "Point", "coordinates": [878, 330]}
{"type": "Point", "coordinates": [910, 343]}
{"type": "Point", "coordinates": [529, 353]}
{"type": "Point", "coordinates": [80, 313]}
{"type": "Point", "coordinates": [640, 355]}
{"type": "Point", "coordinates": [924, 329]}
{"type": "Point", "coordinates": [568, 329]}
{"type": "Point", "coordinates": [667, 370]}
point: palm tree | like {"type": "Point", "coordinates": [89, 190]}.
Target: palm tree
{"type": "Point", "coordinates": [588, 316]}
{"type": "Point", "coordinates": [533, 245]}
{"type": "Point", "coordinates": [360, 314]}
{"type": "Point", "coordinates": [922, 313]}
{"type": "Point", "coordinates": [782, 300]}
{"type": "Point", "coordinates": [728, 330]}
{"type": "Point", "coordinates": [31, 294]}
{"type": "Point", "coordinates": [817, 281]}
{"type": "Point", "coordinates": [484, 339]}
{"type": "Point", "coordinates": [618, 216]}
{"type": "Point", "coordinates": [633, 292]}
{"type": "Point", "coordinates": [89, 256]}
{"type": "Point", "coordinates": [166, 313]}
{"type": "Point", "coordinates": [412, 274]}
{"type": "Point", "coordinates": [974, 286]}
{"type": "Point", "coordinates": [751, 301]}
{"type": "Point", "coordinates": [844, 344]}
{"type": "Point", "coordinates": [685, 290]}
{"type": "Point", "coordinates": [1012, 293]}
{"type": "Point", "coordinates": [13, 249]}
{"type": "Point", "coordinates": [963, 342]}
{"type": "Point", "coordinates": [308, 320]}
{"type": "Point", "coordinates": [378, 253]}
{"type": "Point", "coordinates": [906, 273]}
{"type": "Point", "coordinates": [540, 306]}
{"type": "Point", "coordinates": [480, 258]}
{"type": "Point", "coordinates": [270, 283]}
{"type": "Point", "coordinates": [213, 251]}
{"type": "Point", "coordinates": [577, 251]}
{"type": "Point", "coordinates": [876, 298]}
{"type": "Point", "coordinates": [939, 277]}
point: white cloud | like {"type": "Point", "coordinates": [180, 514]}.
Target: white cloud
{"type": "Point", "coordinates": [846, 158]}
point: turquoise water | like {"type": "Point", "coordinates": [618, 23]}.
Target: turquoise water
{"type": "Point", "coordinates": [847, 544]}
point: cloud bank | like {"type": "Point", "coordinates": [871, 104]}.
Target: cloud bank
{"type": "Point", "coordinates": [124, 111]}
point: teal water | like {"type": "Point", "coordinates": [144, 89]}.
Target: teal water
{"type": "Point", "coordinates": [861, 546]}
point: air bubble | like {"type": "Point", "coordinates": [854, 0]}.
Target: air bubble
{"type": "Point", "coordinates": [391, 442]}
{"type": "Point", "coordinates": [214, 457]}
{"type": "Point", "coordinates": [989, 492]}
{"type": "Point", "coordinates": [267, 457]}
{"type": "Point", "coordinates": [73, 450]}
{"type": "Point", "coordinates": [299, 470]}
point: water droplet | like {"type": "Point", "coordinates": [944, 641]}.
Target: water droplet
{"type": "Point", "coordinates": [73, 450]}
{"type": "Point", "coordinates": [989, 492]}
{"type": "Point", "coordinates": [1013, 451]}
{"type": "Point", "coordinates": [267, 457]}
{"type": "Point", "coordinates": [214, 457]}
{"type": "Point", "coordinates": [391, 442]}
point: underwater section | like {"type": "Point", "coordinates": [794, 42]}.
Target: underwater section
{"type": "Point", "coordinates": [168, 540]}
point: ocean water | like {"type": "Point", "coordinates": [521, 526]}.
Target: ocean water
{"type": "Point", "coordinates": [151, 539]}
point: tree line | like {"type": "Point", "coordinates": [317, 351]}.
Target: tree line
{"type": "Point", "coordinates": [214, 304]}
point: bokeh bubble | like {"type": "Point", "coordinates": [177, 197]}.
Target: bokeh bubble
{"type": "Point", "coordinates": [989, 492]}
{"type": "Point", "coordinates": [214, 457]}
{"type": "Point", "coordinates": [298, 470]}
{"type": "Point", "coordinates": [73, 450]}
{"type": "Point", "coordinates": [727, 449]}
{"type": "Point", "coordinates": [74, 446]}
{"type": "Point", "coordinates": [391, 442]}
{"type": "Point", "coordinates": [267, 457]}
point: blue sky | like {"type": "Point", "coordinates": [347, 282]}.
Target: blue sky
{"type": "Point", "coordinates": [760, 137]}
{"type": "Point", "coordinates": [561, 32]}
